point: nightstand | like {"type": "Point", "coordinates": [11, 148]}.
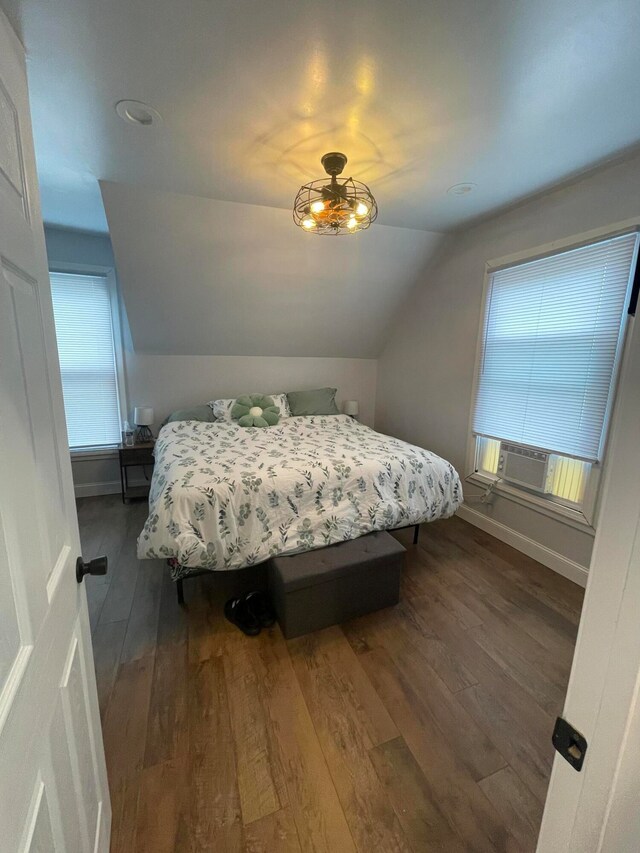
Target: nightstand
{"type": "Point", "coordinates": [136, 454]}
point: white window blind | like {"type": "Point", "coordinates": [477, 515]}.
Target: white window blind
{"type": "Point", "coordinates": [551, 337]}
{"type": "Point", "coordinates": [84, 328]}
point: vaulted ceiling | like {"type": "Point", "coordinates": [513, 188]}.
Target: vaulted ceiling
{"type": "Point", "coordinates": [511, 95]}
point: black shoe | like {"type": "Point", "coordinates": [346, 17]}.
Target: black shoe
{"type": "Point", "coordinates": [237, 612]}
{"type": "Point", "coordinates": [259, 606]}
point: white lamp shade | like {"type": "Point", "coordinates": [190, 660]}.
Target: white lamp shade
{"type": "Point", "coordinates": [143, 415]}
{"type": "Point", "coordinates": [351, 407]}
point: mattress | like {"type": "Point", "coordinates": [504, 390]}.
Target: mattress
{"type": "Point", "coordinates": [224, 497]}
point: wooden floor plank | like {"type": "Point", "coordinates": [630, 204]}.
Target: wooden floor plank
{"type": "Point", "coordinates": [346, 743]}
{"type": "Point", "coordinates": [507, 625]}
{"type": "Point", "coordinates": [114, 520]}
{"type": "Point", "coordinates": [435, 587]}
{"type": "Point", "coordinates": [531, 760]}
{"type": "Point", "coordinates": [517, 805]}
{"type": "Point", "coordinates": [124, 574]}
{"type": "Point", "coordinates": [207, 628]}
{"type": "Point", "coordinates": [484, 667]}
{"type": "Point", "coordinates": [490, 555]}
{"type": "Point", "coordinates": [542, 689]}
{"type": "Point", "coordinates": [124, 808]}
{"type": "Point", "coordinates": [459, 797]}
{"type": "Point", "coordinates": [515, 609]}
{"type": "Point", "coordinates": [275, 833]}
{"type": "Point", "coordinates": [125, 722]}
{"type": "Point", "coordinates": [260, 777]}
{"type": "Point", "coordinates": [167, 730]}
{"type": "Point", "coordinates": [372, 631]}
{"type": "Point", "coordinates": [329, 652]}
{"type": "Point", "coordinates": [142, 627]}
{"type": "Point", "coordinates": [96, 595]}
{"type": "Point", "coordinates": [161, 812]}
{"type": "Point", "coordinates": [466, 740]}
{"type": "Point", "coordinates": [425, 827]}
{"type": "Point", "coordinates": [93, 519]}
{"type": "Point", "coordinates": [215, 820]}
{"type": "Point", "coordinates": [314, 803]}
{"type": "Point", "coordinates": [107, 646]}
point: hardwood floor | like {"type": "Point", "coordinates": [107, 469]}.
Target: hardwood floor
{"type": "Point", "coordinates": [424, 727]}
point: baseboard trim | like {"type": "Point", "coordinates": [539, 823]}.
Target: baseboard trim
{"type": "Point", "coordinates": [90, 490]}
{"type": "Point", "coordinates": [109, 487]}
{"type": "Point", "coordinates": [562, 565]}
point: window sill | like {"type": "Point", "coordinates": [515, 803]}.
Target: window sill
{"type": "Point", "coordinates": [566, 515]}
{"type": "Point", "coordinates": [80, 454]}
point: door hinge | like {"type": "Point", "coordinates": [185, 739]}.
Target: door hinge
{"type": "Point", "coordinates": [571, 745]}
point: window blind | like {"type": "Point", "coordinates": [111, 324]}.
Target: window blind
{"type": "Point", "coordinates": [550, 342]}
{"type": "Point", "coordinates": [84, 328]}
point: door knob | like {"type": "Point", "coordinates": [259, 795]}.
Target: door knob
{"type": "Point", "coordinates": [98, 566]}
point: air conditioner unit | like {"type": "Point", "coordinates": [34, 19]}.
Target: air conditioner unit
{"type": "Point", "coordinates": [526, 467]}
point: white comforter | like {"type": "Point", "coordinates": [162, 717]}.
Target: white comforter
{"type": "Point", "coordinates": [223, 496]}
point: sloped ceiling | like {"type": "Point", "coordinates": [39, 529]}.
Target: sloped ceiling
{"type": "Point", "coordinates": [206, 277]}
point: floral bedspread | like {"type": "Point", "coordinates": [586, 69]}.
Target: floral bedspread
{"type": "Point", "coordinates": [223, 496]}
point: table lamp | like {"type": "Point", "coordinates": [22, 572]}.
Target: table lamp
{"type": "Point", "coordinates": [351, 408]}
{"type": "Point", "coordinates": [143, 418]}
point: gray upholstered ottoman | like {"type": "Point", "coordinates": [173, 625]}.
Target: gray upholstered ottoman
{"type": "Point", "coordinates": [315, 589]}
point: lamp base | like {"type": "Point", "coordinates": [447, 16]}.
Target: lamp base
{"type": "Point", "coordinates": [143, 435]}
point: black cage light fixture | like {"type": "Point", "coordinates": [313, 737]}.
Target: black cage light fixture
{"type": "Point", "coordinates": [335, 207]}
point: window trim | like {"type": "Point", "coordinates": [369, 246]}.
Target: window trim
{"type": "Point", "coordinates": [583, 518]}
{"type": "Point", "coordinates": [110, 450]}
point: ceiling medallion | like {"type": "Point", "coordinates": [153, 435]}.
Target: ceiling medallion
{"type": "Point", "coordinates": [334, 207]}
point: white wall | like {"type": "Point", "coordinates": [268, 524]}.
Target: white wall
{"type": "Point", "coordinates": [425, 371]}
{"type": "Point", "coordinates": [169, 382]}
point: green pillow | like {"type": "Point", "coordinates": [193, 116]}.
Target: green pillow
{"type": "Point", "coordinates": [196, 413]}
{"type": "Point", "coordinates": [255, 410]}
{"type": "Point", "coordinates": [322, 401]}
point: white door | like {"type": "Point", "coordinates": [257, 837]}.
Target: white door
{"type": "Point", "coordinates": [53, 784]}
{"type": "Point", "coordinates": [598, 809]}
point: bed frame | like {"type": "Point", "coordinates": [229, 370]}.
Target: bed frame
{"type": "Point", "coordinates": [197, 572]}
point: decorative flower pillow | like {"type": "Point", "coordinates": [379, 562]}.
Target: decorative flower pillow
{"type": "Point", "coordinates": [255, 410]}
{"type": "Point", "coordinates": [222, 408]}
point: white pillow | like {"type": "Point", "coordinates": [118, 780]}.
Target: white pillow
{"type": "Point", "coordinates": [280, 400]}
{"type": "Point", "coordinates": [222, 408]}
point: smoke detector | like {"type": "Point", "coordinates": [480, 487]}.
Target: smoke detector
{"type": "Point", "coordinates": [461, 189]}
{"type": "Point", "coordinates": [139, 113]}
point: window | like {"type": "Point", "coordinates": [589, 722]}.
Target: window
{"type": "Point", "coordinates": [82, 308]}
{"type": "Point", "coordinates": [549, 351]}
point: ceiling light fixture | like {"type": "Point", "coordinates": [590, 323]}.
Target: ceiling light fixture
{"type": "Point", "coordinates": [135, 112]}
{"type": "Point", "coordinates": [334, 207]}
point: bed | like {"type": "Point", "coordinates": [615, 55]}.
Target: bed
{"type": "Point", "coordinates": [224, 497]}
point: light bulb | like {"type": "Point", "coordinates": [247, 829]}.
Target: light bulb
{"type": "Point", "coordinates": [317, 207]}
{"type": "Point", "coordinates": [352, 223]}
{"type": "Point", "coordinates": [362, 209]}
{"type": "Point", "coordinates": [308, 223]}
